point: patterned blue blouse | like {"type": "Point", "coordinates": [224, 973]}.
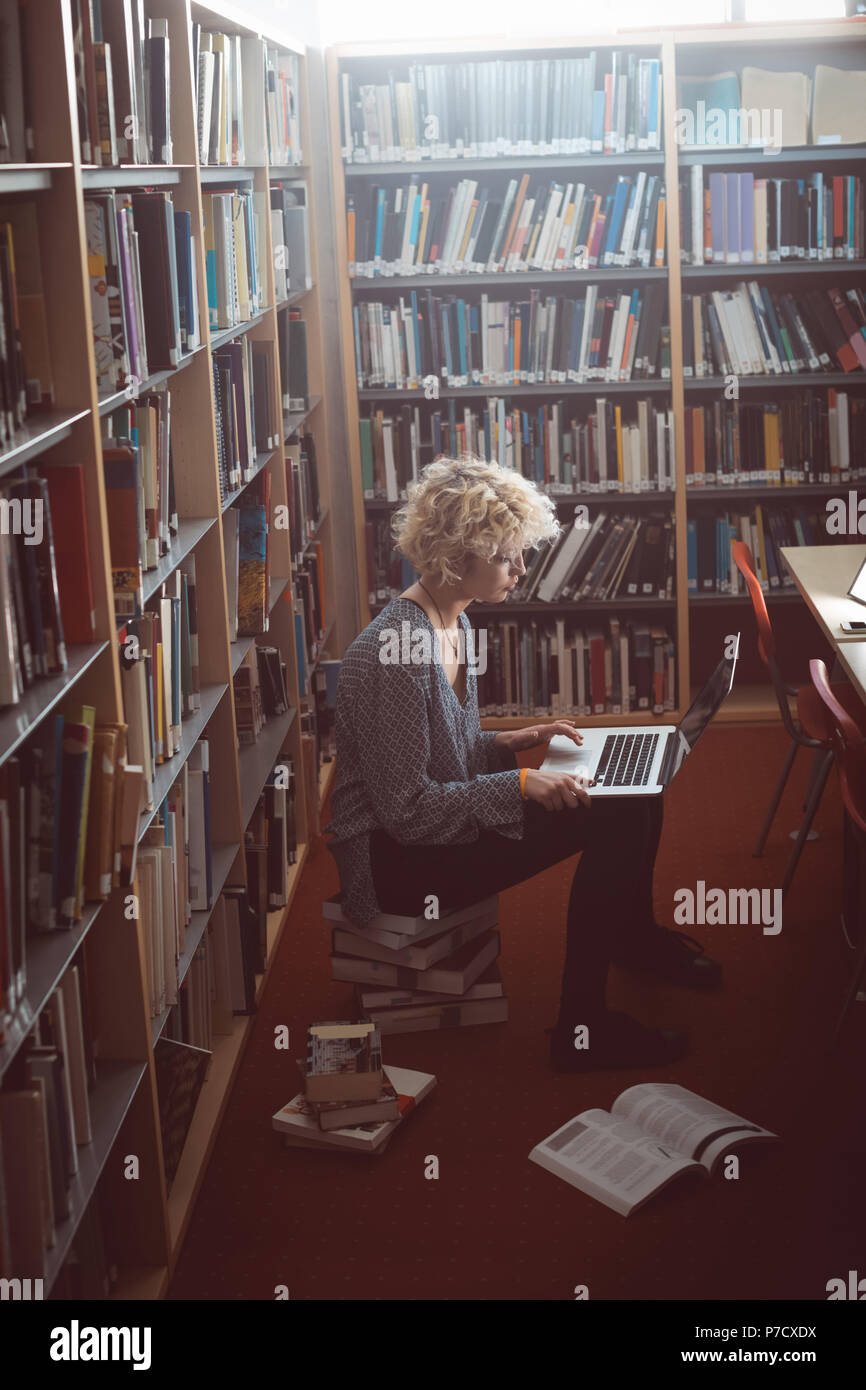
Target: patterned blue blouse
{"type": "Point", "coordinates": [411, 758]}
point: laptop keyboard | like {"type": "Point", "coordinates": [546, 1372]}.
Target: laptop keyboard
{"type": "Point", "coordinates": [626, 760]}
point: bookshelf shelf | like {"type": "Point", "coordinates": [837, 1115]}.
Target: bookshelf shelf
{"type": "Point", "coordinates": [50, 955]}
{"type": "Point", "coordinates": [584, 605]}
{"type": "Point", "coordinates": [260, 465]}
{"type": "Point", "coordinates": [28, 178]}
{"type": "Point", "coordinates": [762, 490]}
{"type": "Point", "coordinates": [292, 420]}
{"type": "Point", "coordinates": [256, 760]}
{"type": "Point", "coordinates": [74, 208]}
{"type": "Point", "coordinates": [320, 650]}
{"type": "Point", "coordinates": [568, 388]}
{"type": "Point", "coordinates": [133, 176]}
{"type": "Point", "coordinates": [37, 434]}
{"type": "Point", "coordinates": [227, 173]}
{"type": "Point", "coordinates": [295, 297]}
{"type": "Point", "coordinates": [726, 600]}
{"type": "Point", "coordinates": [223, 857]}
{"type": "Point", "coordinates": [805, 155]}
{"type": "Point", "coordinates": [17, 722]}
{"type": "Point", "coordinates": [314, 535]}
{"type": "Point", "coordinates": [110, 401]}
{"type": "Point", "coordinates": [786, 381]}
{"type": "Point", "coordinates": [190, 531]}
{"type": "Point", "coordinates": [227, 335]}
{"type": "Point", "coordinates": [277, 589]}
{"type": "Point", "coordinates": [661, 501]}
{"type": "Point", "coordinates": [682, 51]}
{"type": "Point", "coordinates": [116, 1085]}
{"type": "Point", "coordinates": [646, 159]}
{"type": "Point", "coordinates": [372, 284]}
{"type": "Point", "coordinates": [776, 269]}
{"type": "Point", "coordinates": [165, 774]}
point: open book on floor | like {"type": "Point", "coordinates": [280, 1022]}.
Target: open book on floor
{"type": "Point", "coordinates": [654, 1133]}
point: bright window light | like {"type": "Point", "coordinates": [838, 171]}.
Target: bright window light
{"type": "Point", "coordinates": [759, 11]}
{"type": "Point", "coordinates": [345, 21]}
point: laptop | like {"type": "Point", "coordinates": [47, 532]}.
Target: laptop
{"type": "Point", "coordinates": [631, 761]}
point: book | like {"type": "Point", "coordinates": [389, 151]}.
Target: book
{"type": "Point", "coordinates": [655, 1132]}
{"type": "Point", "coordinates": [344, 1062]}
{"type": "Point", "coordinates": [297, 1121]}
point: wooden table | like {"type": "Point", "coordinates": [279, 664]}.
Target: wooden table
{"type": "Point", "coordinates": [823, 574]}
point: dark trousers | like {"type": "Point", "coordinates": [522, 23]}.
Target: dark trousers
{"type": "Point", "coordinates": [611, 901]}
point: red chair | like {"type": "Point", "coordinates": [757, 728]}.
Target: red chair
{"type": "Point", "coordinates": [810, 728]}
{"type": "Point", "coordinates": [848, 744]}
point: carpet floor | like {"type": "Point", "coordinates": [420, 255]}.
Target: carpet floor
{"type": "Point", "coordinates": [493, 1225]}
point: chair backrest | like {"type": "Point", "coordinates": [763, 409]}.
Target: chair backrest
{"type": "Point", "coordinates": [848, 744]}
{"type": "Point", "coordinates": [746, 565]}
{"type": "Point", "coordinates": [766, 645]}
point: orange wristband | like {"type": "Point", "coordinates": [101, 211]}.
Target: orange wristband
{"type": "Point", "coordinates": [523, 772]}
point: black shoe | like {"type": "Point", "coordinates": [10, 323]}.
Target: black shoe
{"type": "Point", "coordinates": [616, 1040]}
{"type": "Point", "coordinates": [671, 955]}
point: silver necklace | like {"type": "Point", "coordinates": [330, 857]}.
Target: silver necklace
{"type": "Point", "coordinates": [441, 619]}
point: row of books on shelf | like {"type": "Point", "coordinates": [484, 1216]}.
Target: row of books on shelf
{"type": "Point", "coordinates": [602, 451]}
{"type": "Point", "coordinates": [143, 283]}
{"type": "Point", "coordinates": [771, 108]}
{"type": "Point", "coordinates": [610, 667]}
{"type": "Point", "coordinates": [46, 1124]}
{"type": "Point", "coordinates": [615, 555]}
{"type": "Point", "coordinates": [738, 219]}
{"type": "Point", "coordinates": [46, 1100]}
{"type": "Point", "coordinates": [472, 228]}
{"type": "Point", "coordinates": [26, 374]}
{"type": "Point", "coordinates": [610, 557]}
{"type": "Point", "coordinates": [425, 340]}
{"type": "Point", "coordinates": [811, 437]}
{"type": "Point", "coordinates": [174, 880]}
{"type": "Point", "coordinates": [765, 529]}
{"type": "Point", "coordinates": [159, 673]}
{"type": "Point", "coordinates": [69, 805]}
{"type": "Point", "coordinates": [247, 555]}
{"type": "Point", "coordinates": [122, 72]}
{"type": "Point", "coordinates": [246, 99]}
{"type": "Point", "coordinates": [310, 612]}
{"type": "Point", "coordinates": [754, 330]}
{"type": "Point", "coordinates": [302, 484]}
{"type": "Point", "coordinates": [260, 691]}
{"type": "Point", "coordinates": [608, 104]}
{"type": "Point", "coordinates": [246, 92]}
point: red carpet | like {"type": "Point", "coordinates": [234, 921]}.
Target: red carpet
{"type": "Point", "coordinates": [495, 1226]}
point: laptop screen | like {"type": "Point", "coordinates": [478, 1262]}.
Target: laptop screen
{"type": "Point", "coordinates": [710, 698]}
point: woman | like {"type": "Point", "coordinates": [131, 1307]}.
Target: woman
{"type": "Point", "coordinates": [425, 803]}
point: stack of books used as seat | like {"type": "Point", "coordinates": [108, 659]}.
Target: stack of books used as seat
{"type": "Point", "coordinates": [350, 1101]}
{"type": "Point", "coordinates": [412, 974]}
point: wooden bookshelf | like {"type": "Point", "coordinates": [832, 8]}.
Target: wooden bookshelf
{"type": "Point", "coordinates": [149, 1223]}
{"type": "Point", "coordinates": [783, 47]}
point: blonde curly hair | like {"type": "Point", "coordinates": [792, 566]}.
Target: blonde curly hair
{"type": "Point", "coordinates": [469, 506]}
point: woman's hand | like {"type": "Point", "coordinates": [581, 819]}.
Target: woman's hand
{"type": "Point", "coordinates": [518, 740]}
{"type": "Point", "coordinates": [556, 791]}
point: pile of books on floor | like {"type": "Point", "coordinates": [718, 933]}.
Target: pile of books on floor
{"type": "Point", "coordinates": [413, 974]}
{"type": "Point", "coordinates": [350, 1101]}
